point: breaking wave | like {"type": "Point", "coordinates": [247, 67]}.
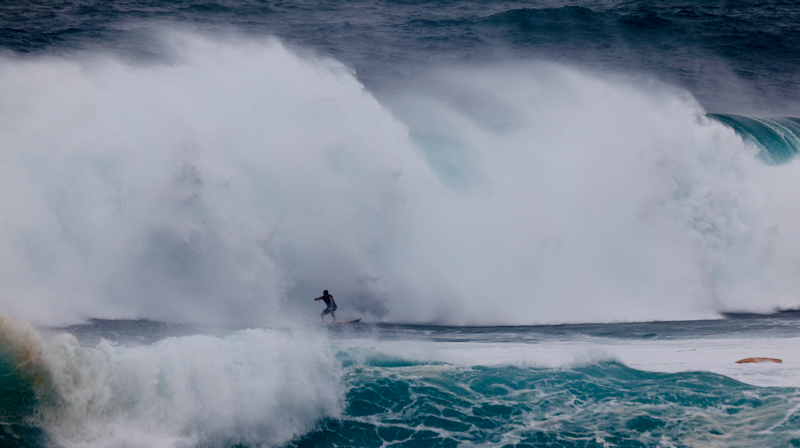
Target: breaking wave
{"type": "Point", "coordinates": [253, 388]}
{"type": "Point", "coordinates": [238, 179]}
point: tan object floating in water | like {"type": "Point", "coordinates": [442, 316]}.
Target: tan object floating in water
{"type": "Point", "coordinates": [749, 360]}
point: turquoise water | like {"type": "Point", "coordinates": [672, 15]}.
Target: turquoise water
{"type": "Point", "coordinates": [408, 386]}
{"type": "Point", "coordinates": [17, 407]}
{"type": "Point", "coordinates": [778, 139]}
{"type": "Point", "coordinates": [603, 404]}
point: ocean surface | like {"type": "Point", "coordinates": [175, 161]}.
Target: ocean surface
{"type": "Point", "coordinates": [561, 223]}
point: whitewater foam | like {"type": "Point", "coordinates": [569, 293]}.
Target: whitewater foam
{"type": "Point", "coordinates": [596, 199]}
{"type": "Point", "coordinates": [198, 191]}
{"type": "Point", "coordinates": [717, 355]}
{"type": "Point", "coordinates": [238, 180]}
{"type": "Point", "coordinates": [21, 348]}
{"type": "Point", "coordinates": [254, 387]}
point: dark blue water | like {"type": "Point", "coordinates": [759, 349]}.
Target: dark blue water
{"type": "Point", "coordinates": [735, 56]}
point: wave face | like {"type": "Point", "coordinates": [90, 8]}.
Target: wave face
{"type": "Point", "coordinates": [21, 375]}
{"type": "Point", "coordinates": [251, 388]}
{"type": "Point", "coordinates": [584, 406]}
{"type": "Point", "coordinates": [778, 139]}
{"type": "Point", "coordinates": [239, 180]}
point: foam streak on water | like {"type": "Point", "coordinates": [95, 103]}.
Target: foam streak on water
{"type": "Point", "coordinates": [591, 405]}
{"type": "Point", "coordinates": [648, 384]}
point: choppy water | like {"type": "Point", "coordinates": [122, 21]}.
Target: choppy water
{"type": "Point", "coordinates": [657, 384]}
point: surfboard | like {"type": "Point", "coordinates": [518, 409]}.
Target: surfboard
{"type": "Point", "coordinates": [749, 360]}
{"type": "Point", "coordinates": [333, 322]}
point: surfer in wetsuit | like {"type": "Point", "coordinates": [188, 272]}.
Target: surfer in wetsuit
{"type": "Point", "coordinates": [328, 299]}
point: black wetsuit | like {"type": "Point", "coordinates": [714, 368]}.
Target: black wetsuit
{"type": "Point", "coordinates": [330, 302]}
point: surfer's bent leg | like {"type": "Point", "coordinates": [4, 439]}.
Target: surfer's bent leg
{"type": "Point", "coordinates": [330, 309]}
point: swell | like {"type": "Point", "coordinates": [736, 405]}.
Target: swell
{"type": "Point", "coordinates": [728, 31]}
{"type": "Point", "coordinates": [731, 58]}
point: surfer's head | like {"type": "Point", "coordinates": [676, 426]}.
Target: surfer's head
{"type": "Point", "coordinates": [325, 293]}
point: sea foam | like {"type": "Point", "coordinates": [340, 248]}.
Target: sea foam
{"type": "Point", "coordinates": [254, 387]}
{"type": "Point", "coordinates": [238, 179]}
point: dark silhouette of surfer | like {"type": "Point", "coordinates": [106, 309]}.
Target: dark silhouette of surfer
{"type": "Point", "coordinates": [328, 299]}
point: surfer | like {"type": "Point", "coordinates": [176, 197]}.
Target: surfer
{"type": "Point", "coordinates": [328, 299]}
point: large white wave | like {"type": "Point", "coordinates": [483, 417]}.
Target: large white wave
{"type": "Point", "coordinates": [238, 180]}
{"type": "Point", "coordinates": [201, 190]}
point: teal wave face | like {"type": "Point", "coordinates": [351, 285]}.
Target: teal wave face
{"type": "Point", "coordinates": [777, 138]}
{"type": "Point", "coordinates": [17, 407]}
{"type": "Point", "coordinates": [605, 404]}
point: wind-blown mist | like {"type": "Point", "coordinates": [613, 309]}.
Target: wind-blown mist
{"type": "Point", "coordinates": [237, 181]}
{"type": "Point", "coordinates": [205, 189]}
